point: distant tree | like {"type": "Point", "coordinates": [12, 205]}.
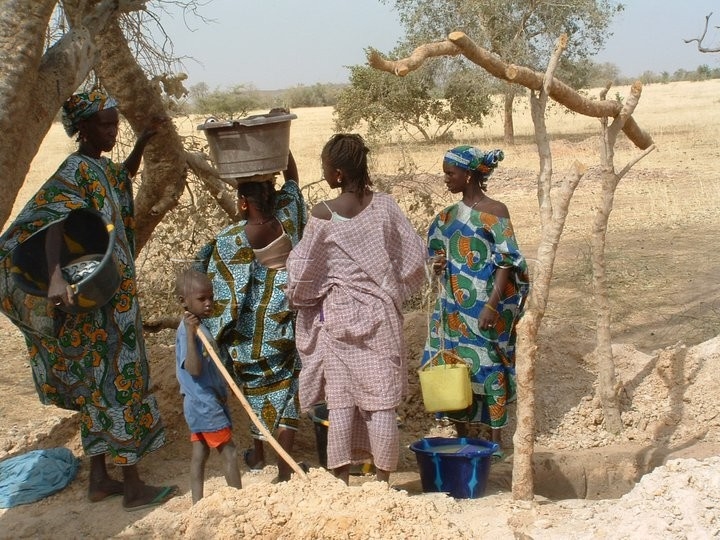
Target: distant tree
{"type": "Point", "coordinates": [226, 104]}
{"type": "Point", "coordinates": [648, 77]}
{"type": "Point", "coordinates": [681, 75]}
{"type": "Point", "coordinates": [598, 75]}
{"type": "Point", "coordinates": [519, 31]}
{"type": "Point", "coordinates": [703, 73]}
{"type": "Point", "coordinates": [414, 103]}
{"type": "Point", "coordinates": [317, 95]}
{"type": "Point", "coordinates": [199, 91]}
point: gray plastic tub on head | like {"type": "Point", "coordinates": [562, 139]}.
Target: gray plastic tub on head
{"type": "Point", "coordinates": [255, 145]}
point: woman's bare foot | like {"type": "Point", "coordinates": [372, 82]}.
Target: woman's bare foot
{"type": "Point", "coordinates": [102, 489]}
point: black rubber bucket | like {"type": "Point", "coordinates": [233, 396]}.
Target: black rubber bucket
{"type": "Point", "coordinates": [319, 416]}
{"type": "Point", "coordinates": [87, 259]}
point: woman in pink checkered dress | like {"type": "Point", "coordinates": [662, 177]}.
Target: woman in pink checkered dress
{"type": "Point", "coordinates": [359, 260]}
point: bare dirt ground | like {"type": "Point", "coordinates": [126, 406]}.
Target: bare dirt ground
{"type": "Point", "coordinates": [660, 478]}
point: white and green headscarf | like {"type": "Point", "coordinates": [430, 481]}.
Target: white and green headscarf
{"type": "Point", "coordinates": [471, 158]}
{"type": "Point", "coordinates": [84, 105]}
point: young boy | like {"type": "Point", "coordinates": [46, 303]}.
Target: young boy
{"type": "Point", "coordinates": [202, 386]}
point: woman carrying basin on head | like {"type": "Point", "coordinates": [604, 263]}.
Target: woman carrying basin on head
{"type": "Point", "coordinates": [252, 323]}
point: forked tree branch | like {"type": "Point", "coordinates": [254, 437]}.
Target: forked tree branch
{"type": "Point", "coordinates": [699, 40]}
{"type": "Point", "coordinates": [460, 43]}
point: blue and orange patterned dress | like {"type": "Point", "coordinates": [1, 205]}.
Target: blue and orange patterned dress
{"type": "Point", "coordinates": [253, 324]}
{"type": "Point", "coordinates": [93, 362]}
{"type": "Point", "coordinates": [475, 245]}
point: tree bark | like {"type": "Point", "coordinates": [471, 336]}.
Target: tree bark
{"type": "Point", "coordinates": [508, 127]}
{"type": "Point", "coordinates": [34, 84]}
{"type": "Point", "coordinates": [165, 169]}
{"type": "Point", "coordinates": [458, 43]}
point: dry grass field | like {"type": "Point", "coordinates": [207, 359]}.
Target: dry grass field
{"type": "Point", "coordinates": [663, 252]}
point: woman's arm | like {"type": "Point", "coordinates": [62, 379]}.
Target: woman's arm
{"type": "Point", "coordinates": [59, 291]}
{"type": "Point", "coordinates": [291, 173]}
{"type": "Point", "coordinates": [489, 314]}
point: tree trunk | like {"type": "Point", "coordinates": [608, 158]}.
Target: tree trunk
{"type": "Point", "coordinates": [607, 385]}
{"type": "Point", "coordinates": [523, 483]}
{"type": "Point", "coordinates": [33, 84]}
{"type": "Point", "coordinates": [607, 382]}
{"type": "Point", "coordinates": [164, 161]}
{"type": "Point", "coordinates": [508, 127]}
{"type": "Point", "coordinates": [32, 88]}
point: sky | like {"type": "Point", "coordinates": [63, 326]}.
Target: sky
{"type": "Point", "coordinates": [277, 44]}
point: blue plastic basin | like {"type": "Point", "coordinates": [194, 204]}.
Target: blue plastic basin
{"type": "Point", "coordinates": [459, 467]}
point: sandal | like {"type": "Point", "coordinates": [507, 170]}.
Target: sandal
{"type": "Point", "coordinates": [498, 455]}
{"type": "Point", "coordinates": [259, 466]}
{"type": "Point", "coordinates": [162, 496]}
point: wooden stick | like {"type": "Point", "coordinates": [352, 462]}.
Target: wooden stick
{"type": "Point", "coordinates": [248, 409]}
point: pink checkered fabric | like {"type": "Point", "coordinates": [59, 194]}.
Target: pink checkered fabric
{"type": "Point", "coordinates": [355, 435]}
{"type": "Point", "coordinates": [348, 280]}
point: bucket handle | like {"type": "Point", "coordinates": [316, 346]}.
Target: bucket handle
{"type": "Point", "coordinates": [455, 360]}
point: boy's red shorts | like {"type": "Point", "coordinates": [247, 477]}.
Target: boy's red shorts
{"type": "Point", "coordinates": [214, 438]}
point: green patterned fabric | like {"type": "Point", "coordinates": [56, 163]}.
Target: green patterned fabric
{"type": "Point", "coordinates": [253, 323]}
{"type": "Point", "coordinates": [93, 362]}
{"type": "Point", "coordinates": [475, 245]}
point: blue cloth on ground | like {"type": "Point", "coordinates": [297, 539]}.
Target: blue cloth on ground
{"type": "Point", "coordinates": [35, 475]}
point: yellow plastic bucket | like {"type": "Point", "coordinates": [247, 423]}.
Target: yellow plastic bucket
{"type": "Point", "coordinates": [445, 386]}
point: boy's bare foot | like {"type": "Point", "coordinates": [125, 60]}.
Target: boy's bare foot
{"type": "Point", "coordinates": [107, 487]}
{"type": "Point", "coordinates": [149, 496]}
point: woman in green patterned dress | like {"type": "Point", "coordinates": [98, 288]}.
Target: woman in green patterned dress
{"type": "Point", "coordinates": [88, 360]}
{"type": "Point", "coordinates": [253, 323]}
{"type": "Point", "coordinates": [483, 283]}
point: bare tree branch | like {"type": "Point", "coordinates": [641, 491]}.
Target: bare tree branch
{"type": "Point", "coordinates": [699, 40]}
{"type": "Point", "coordinates": [630, 164]}
{"type": "Point", "coordinates": [493, 64]}
{"type": "Point", "coordinates": [212, 181]}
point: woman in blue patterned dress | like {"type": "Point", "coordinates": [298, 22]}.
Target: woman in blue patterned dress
{"type": "Point", "coordinates": [483, 283]}
{"type": "Point", "coordinates": [253, 323]}
{"type": "Point", "coordinates": [92, 360]}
